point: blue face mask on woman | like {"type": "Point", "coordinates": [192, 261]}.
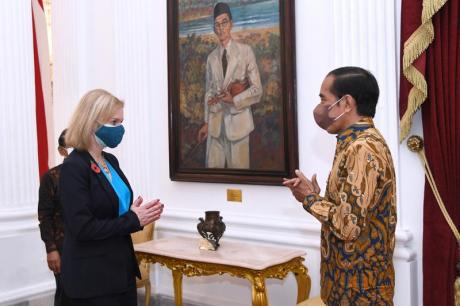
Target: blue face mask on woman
{"type": "Point", "coordinates": [110, 135]}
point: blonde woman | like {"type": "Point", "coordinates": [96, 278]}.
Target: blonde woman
{"type": "Point", "coordinates": [98, 262]}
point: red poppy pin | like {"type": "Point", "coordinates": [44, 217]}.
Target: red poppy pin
{"type": "Point", "coordinates": [95, 168]}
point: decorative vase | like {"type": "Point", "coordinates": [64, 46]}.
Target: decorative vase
{"type": "Point", "coordinates": [211, 228]}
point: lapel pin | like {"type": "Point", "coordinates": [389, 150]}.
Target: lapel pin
{"type": "Point", "coordinates": [95, 168]}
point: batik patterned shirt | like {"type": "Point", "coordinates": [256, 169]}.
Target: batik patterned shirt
{"type": "Point", "coordinates": [50, 211]}
{"type": "Point", "coordinates": [358, 216]}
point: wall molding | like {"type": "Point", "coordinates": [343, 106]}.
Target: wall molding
{"type": "Point", "coordinates": [27, 293]}
{"type": "Point", "coordinates": [280, 231]}
{"type": "Point", "coordinates": [18, 222]}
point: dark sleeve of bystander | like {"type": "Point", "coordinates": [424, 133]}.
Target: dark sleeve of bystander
{"type": "Point", "coordinates": [46, 197]}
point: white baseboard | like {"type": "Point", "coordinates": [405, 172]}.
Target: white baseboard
{"type": "Point", "coordinates": [27, 293]}
{"type": "Point", "coordinates": [193, 298]}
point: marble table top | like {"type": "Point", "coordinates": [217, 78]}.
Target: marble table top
{"type": "Point", "coordinates": [241, 254]}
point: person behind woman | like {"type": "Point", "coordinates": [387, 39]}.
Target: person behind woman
{"type": "Point", "coordinates": [51, 224]}
{"type": "Point", "coordinates": [98, 262]}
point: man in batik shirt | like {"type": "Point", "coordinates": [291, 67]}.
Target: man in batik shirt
{"type": "Point", "coordinates": [358, 210]}
{"type": "Point", "coordinates": [51, 223]}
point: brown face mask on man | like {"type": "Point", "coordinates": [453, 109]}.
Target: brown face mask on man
{"type": "Point", "coordinates": [321, 114]}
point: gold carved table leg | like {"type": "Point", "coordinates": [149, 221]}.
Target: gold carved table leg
{"type": "Point", "coordinates": [303, 282]}
{"type": "Point", "coordinates": [259, 292]}
{"type": "Point", "coordinates": [177, 280]}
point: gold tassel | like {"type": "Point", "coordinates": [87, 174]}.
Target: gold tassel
{"type": "Point", "coordinates": [415, 45]}
{"type": "Point", "coordinates": [457, 291]}
{"type": "Point", "coordinates": [457, 280]}
{"type": "Point", "coordinates": [431, 7]}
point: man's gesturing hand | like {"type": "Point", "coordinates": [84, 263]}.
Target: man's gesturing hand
{"type": "Point", "coordinates": [301, 186]}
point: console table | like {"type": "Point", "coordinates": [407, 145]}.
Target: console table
{"type": "Point", "coordinates": [251, 261]}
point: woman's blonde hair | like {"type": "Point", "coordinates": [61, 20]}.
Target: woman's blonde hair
{"type": "Point", "coordinates": [94, 109]}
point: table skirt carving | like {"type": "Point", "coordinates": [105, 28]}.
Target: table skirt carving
{"type": "Point", "coordinates": [180, 267]}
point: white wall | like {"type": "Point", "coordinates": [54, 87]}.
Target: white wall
{"type": "Point", "coordinates": [23, 269]}
{"type": "Point", "coordinates": [120, 45]}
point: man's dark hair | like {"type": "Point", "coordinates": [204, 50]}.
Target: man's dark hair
{"type": "Point", "coordinates": [61, 140]}
{"type": "Point", "coordinates": [222, 8]}
{"type": "Point", "coordinates": [358, 83]}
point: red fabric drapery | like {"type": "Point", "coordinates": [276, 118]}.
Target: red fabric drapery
{"type": "Point", "coordinates": [42, 139]}
{"type": "Point", "coordinates": [441, 128]}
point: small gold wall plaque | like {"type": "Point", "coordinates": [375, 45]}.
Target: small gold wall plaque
{"type": "Point", "coordinates": [234, 195]}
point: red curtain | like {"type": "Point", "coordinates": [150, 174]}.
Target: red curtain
{"type": "Point", "coordinates": [411, 12]}
{"type": "Point", "coordinates": [42, 138]}
{"type": "Point", "coordinates": [441, 128]}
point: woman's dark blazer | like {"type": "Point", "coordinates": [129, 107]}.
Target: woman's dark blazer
{"type": "Point", "coordinates": [98, 256]}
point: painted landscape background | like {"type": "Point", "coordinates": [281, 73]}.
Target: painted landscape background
{"type": "Point", "coordinates": [255, 23]}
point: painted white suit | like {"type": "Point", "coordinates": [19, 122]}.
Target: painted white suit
{"type": "Point", "coordinates": [229, 125]}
